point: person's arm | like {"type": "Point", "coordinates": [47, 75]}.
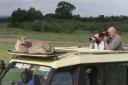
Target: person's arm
{"type": "Point", "coordinates": [106, 45]}
{"type": "Point", "coordinates": [91, 46]}
{"type": "Point", "coordinates": [115, 43]}
{"type": "Point", "coordinates": [101, 45]}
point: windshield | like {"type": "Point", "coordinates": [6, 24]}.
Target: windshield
{"type": "Point", "coordinates": [26, 74]}
{"type": "Point", "coordinates": [62, 78]}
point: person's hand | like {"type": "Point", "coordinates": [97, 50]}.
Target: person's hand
{"type": "Point", "coordinates": [105, 39]}
{"type": "Point", "coordinates": [93, 41]}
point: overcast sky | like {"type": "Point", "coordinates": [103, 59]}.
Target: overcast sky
{"type": "Point", "coordinates": [83, 7]}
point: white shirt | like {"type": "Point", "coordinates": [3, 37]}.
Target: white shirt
{"type": "Point", "coordinates": [97, 46]}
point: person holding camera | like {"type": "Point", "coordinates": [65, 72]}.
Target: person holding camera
{"type": "Point", "coordinates": [115, 42]}
{"type": "Point", "coordinates": [97, 42]}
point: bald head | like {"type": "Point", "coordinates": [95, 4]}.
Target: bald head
{"type": "Point", "coordinates": [112, 31]}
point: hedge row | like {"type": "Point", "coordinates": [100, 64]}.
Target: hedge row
{"type": "Point", "coordinates": [70, 26]}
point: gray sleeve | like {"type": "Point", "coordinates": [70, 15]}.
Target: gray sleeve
{"type": "Point", "coordinates": [115, 43]}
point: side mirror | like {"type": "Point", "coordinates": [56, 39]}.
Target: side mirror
{"type": "Point", "coordinates": [2, 66]}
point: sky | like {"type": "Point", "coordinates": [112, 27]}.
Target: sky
{"type": "Point", "coordinates": [85, 8]}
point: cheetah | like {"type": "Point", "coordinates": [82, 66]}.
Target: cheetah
{"type": "Point", "coordinates": [24, 45]}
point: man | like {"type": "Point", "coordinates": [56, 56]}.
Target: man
{"type": "Point", "coordinates": [115, 40]}
{"type": "Point", "coordinates": [25, 79]}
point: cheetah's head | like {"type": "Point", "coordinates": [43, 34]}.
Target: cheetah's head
{"type": "Point", "coordinates": [22, 41]}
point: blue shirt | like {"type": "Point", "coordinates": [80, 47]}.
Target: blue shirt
{"type": "Point", "coordinates": [31, 82]}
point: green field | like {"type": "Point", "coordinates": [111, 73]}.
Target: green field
{"type": "Point", "coordinates": [8, 38]}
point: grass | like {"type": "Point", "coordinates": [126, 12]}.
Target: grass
{"type": "Point", "coordinates": [14, 33]}
{"type": "Point", "coordinates": [4, 47]}
{"type": "Point", "coordinates": [8, 38]}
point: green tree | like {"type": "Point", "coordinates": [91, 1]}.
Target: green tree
{"type": "Point", "coordinates": [18, 16]}
{"type": "Point", "coordinates": [64, 9]}
{"type": "Point", "coordinates": [102, 18]}
{"type": "Point", "coordinates": [33, 14]}
{"type": "Point", "coordinates": [50, 15]}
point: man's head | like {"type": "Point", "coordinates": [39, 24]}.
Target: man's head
{"type": "Point", "coordinates": [25, 77]}
{"type": "Point", "coordinates": [112, 31]}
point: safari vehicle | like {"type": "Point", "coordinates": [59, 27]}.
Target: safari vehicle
{"type": "Point", "coordinates": [69, 66]}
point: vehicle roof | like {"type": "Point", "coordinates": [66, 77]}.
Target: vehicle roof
{"type": "Point", "coordinates": [77, 56]}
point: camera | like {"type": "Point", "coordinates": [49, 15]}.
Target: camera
{"type": "Point", "coordinates": [104, 34]}
{"type": "Point", "coordinates": [92, 38]}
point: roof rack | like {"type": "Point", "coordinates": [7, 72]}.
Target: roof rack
{"type": "Point", "coordinates": [55, 55]}
{"type": "Point", "coordinates": [59, 53]}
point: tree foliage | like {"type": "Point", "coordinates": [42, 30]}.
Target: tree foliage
{"type": "Point", "coordinates": [64, 21]}
{"type": "Point", "coordinates": [64, 9]}
{"type": "Point", "coordinates": [33, 14]}
{"type": "Point", "coordinates": [20, 15]}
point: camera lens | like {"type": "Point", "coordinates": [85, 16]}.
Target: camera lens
{"type": "Point", "coordinates": [90, 39]}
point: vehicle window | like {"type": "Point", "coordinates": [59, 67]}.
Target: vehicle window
{"type": "Point", "coordinates": [90, 76]}
{"type": "Point", "coordinates": [108, 74]}
{"type": "Point", "coordinates": [63, 78]}
{"type": "Point", "coordinates": [27, 74]}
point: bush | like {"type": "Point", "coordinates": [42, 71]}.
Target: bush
{"type": "Point", "coordinates": [26, 25]}
{"type": "Point", "coordinates": [70, 26]}
{"type": "Point", "coordinates": [37, 25]}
